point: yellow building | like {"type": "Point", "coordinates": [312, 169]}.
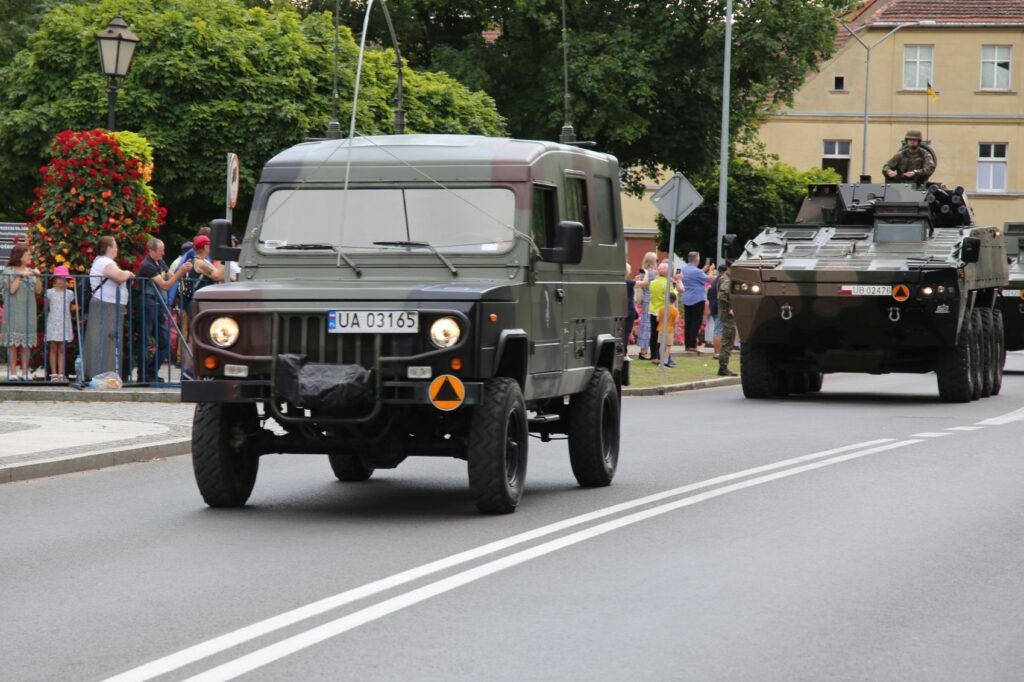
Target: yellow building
{"type": "Point", "coordinates": [968, 51]}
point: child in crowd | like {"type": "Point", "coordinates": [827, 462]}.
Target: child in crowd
{"type": "Point", "coordinates": [673, 318]}
{"type": "Point", "coordinates": [59, 301]}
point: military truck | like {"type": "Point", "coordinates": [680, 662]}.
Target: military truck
{"type": "Point", "coordinates": [424, 295]}
{"type": "Point", "coordinates": [1011, 299]}
{"type": "Point", "coordinates": [872, 278]}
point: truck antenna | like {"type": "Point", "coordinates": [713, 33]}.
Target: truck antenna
{"type": "Point", "coordinates": [334, 126]}
{"type": "Point", "coordinates": [399, 108]}
{"type": "Point", "coordinates": [568, 133]}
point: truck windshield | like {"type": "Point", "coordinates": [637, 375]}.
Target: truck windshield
{"type": "Point", "coordinates": [473, 220]}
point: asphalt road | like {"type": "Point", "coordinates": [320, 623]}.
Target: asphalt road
{"type": "Point", "coordinates": [868, 532]}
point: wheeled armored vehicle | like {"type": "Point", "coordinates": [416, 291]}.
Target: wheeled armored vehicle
{"type": "Point", "coordinates": [872, 278]}
{"type": "Point", "coordinates": [1011, 299]}
{"type": "Point", "coordinates": [416, 295]}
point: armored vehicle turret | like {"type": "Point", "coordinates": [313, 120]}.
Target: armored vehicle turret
{"type": "Point", "coordinates": [872, 278]}
{"type": "Point", "coordinates": [1011, 299]}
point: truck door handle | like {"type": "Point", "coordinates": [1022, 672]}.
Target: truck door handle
{"type": "Point", "coordinates": [560, 294]}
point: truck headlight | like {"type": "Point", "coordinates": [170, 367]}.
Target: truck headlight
{"type": "Point", "coordinates": [445, 332]}
{"type": "Point", "coordinates": [224, 332]}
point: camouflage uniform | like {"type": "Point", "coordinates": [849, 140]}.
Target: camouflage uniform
{"type": "Point", "coordinates": [728, 321]}
{"type": "Point", "coordinates": [920, 160]}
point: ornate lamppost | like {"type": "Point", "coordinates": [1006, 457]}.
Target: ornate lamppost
{"type": "Point", "coordinates": [117, 47]}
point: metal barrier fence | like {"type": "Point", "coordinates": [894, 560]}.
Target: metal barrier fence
{"type": "Point", "coordinates": [72, 330]}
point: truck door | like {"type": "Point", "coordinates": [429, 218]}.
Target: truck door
{"type": "Point", "coordinates": [548, 333]}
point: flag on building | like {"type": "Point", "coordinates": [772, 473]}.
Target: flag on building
{"type": "Point", "coordinates": [931, 92]}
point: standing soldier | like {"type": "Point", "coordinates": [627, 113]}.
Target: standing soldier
{"type": "Point", "coordinates": [912, 163]}
{"type": "Point", "coordinates": [726, 316]}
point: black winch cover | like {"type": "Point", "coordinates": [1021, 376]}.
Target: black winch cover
{"type": "Point", "coordinates": [315, 386]}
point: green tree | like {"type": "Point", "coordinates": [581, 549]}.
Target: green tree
{"type": "Point", "coordinates": [762, 192]}
{"type": "Point", "coordinates": [210, 76]}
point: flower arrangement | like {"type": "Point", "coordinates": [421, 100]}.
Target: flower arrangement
{"type": "Point", "coordinates": [96, 184]}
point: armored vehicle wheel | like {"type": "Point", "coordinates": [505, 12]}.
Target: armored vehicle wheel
{"type": "Point", "coordinates": [999, 332]}
{"type": "Point", "coordinates": [953, 367]}
{"type": "Point", "coordinates": [814, 381]}
{"type": "Point", "coordinates": [349, 467]}
{"type": "Point", "coordinates": [977, 355]}
{"type": "Point", "coordinates": [225, 472]}
{"type": "Point", "coordinates": [594, 431]}
{"type": "Point", "coordinates": [988, 353]}
{"type": "Point", "coordinates": [758, 377]}
{"type": "Point", "coordinates": [798, 382]}
{"type": "Point", "coordinates": [497, 448]}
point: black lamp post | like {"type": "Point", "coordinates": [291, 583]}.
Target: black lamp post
{"type": "Point", "coordinates": [117, 47]}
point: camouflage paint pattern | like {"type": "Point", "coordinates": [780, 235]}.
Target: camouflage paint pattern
{"type": "Point", "coordinates": [825, 292]}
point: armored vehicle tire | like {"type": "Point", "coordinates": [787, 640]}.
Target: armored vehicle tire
{"type": "Point", "coordinates": [953, 368]}
{"type": "Point", "coordinates": [497, 448]}
{"type": "Point", "coordinates": [224, 471]}
{"type": "Point", "coordinates": [814, 382]}
{"type": "Point", "coordinates": [758, 377]}
{"type": "Point", "coordinates": [977, 354]}
{"type": "Point", "coordinates": [594, 431]}
{"type": "Point", "coordinates": [988, 352]}
{"type": "Point", "coordinates": [998, 332]}
{"type": "Point", "coordinates": [349, 467]}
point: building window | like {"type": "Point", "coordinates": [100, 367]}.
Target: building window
{"type": "Point", "coordinates": [992, 167]}
{"type": "Point", "coordinates": [839, 83]}
{"type": "Point", "coordinates": [836, 155]}
{"type": "Point", "coordinates": [995, 67]}
{"type": "Point", "coordinates": [917, 66]}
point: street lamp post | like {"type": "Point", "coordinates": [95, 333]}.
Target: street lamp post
{"type": "Point", "coordinates": [117, 47]}
{"type": "Point", "coordinates": [867, 76]}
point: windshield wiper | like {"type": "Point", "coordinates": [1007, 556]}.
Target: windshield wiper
{"type": "Point", "coordinates": [322, 247]}
{"type": "Point", "coordinates": [422, 245]}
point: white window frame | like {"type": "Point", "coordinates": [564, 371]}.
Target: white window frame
{"type": "Point", "coordinates": [912, 55]}
{"type": "Point", "coordinates": [994, 62]}
{"type": "Point", "coordinates": [988, 163]}
{"type": "Point", "coordinates": [835, 154]}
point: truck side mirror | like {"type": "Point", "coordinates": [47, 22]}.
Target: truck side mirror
{"type": "Point", "coordinates": [729, 246]}
{"type": "Point", "coordinates": [568, 248]}
{"type": "Point", "coordinates": [220, 239]}
{"type": "Point", "coordinates": [970, 249]}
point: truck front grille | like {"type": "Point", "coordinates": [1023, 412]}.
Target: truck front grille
{"type": "Point", "coordinates": [307, 335]}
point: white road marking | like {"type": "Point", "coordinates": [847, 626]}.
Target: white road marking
{"type": "Point", "coordinates": [931, 434]}
{"type": "Point", "coordinates": [197, 652]}
{"type": "Point", "coordinates": [70, 433]}
{"type": "Point", "coordinates": [304, 640]}
{"type": "Point", "coordinates": [1015, 416]}
{"type": "Point", "coordinates": [965, 428]}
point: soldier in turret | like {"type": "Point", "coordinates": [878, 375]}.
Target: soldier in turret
{"type": "Point", "coordinates": [912, 163]}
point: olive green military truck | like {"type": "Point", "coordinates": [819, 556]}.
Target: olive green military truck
{"type": "Point", "coordinates": [1011, 299]}
{"type": "Point", "coordinates": [416, 295]}
{"type": "Point", "coordinates": [876, 279]}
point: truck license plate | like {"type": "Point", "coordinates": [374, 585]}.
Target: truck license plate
{"type": "Point", "coordinates": [373, 322]}
{"type": "Point", "coordinates": [865, 290]}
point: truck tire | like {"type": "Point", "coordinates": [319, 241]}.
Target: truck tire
{"type": "Point", "coordinates": [349, 467]}
{"type": "Point", "coordinates": [977, 355]}
{"type": "Point", "coordinates": [758, 377]}
{"type": "Point", "coordinates": [498, 438]}
{"type": "Point", "coordinates": [798, 382]}
{"type": "Point", "coordinates": [988, 352]}
{"type": "Point", "coordinates": [224, 471]}
{"type": "Point", "coordinates": [999, 332]}
{"type": "Point", "coordinates": [814, 382]}
{"type": "Point", "coordinates": [953, 367]}
{"type": "Point", "coordinates": [594, 431]}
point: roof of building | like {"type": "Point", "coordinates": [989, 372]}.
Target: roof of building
{"type": "Point", "coordinates": [987, 12]}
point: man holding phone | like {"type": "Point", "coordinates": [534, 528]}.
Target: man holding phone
{"type": "Point", "coordinates": [695, 296]}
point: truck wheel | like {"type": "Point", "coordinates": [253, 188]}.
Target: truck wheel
{"type": "Point", "coordinates": [999, 333]}
{"type": "Point", "coordinates": [988, 353]}
{"type": "Point", "coordinates": [977, 355]}
{"type": "Point", "coordinates": [349, 468]}
{"type": "Point", "coordinates": [814, 382]}
{"type": "Point", "coordinates": [758, 377]}
{"type": "Point", "coordinates": [497, 448]}
{"type": "Point", "coordinates": [225, 472]}
{"type": "Point", "coordinates": [953, 367]}
{"type": "Point", "coordinates": [594, 431]}
{"type": "Point", "coordinates": [798, 382]}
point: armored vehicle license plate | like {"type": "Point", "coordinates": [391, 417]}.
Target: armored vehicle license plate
{"type": "Point", "coordinates": [865, 290]}
{"type": "Point", "coordinates": [373, 321]}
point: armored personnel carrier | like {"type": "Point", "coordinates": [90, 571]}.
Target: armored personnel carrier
{"type": "Point", "coordinates": [872, 278]}
{"type": "Point", "coordinates": [1011, 299]}
{"type": "Point", "coordinates": [431, 295]}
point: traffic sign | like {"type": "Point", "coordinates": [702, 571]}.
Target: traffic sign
{"type": "Point", "coordinates": [234, 177]}
{"type": "Point", "coordinates": [677, 198]}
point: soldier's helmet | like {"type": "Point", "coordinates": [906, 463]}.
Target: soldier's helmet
{"type": "Point", "coordinates": [913, 135]}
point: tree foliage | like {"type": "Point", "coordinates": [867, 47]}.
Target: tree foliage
{"type": "Point", "coordinates": [210, 76]}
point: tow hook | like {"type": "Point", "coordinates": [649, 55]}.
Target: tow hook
{"type": "Point", "coordinates": [787, 312]}
{"type": "Point", "coordinates": [894, 314]}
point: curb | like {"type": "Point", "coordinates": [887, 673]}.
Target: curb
{"type": "Point", "coordinates": [96, 459]}
{"type": "Point", "coordinates": [47, 394]}
{"type": "Point", "coordinates": [676, 388]}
